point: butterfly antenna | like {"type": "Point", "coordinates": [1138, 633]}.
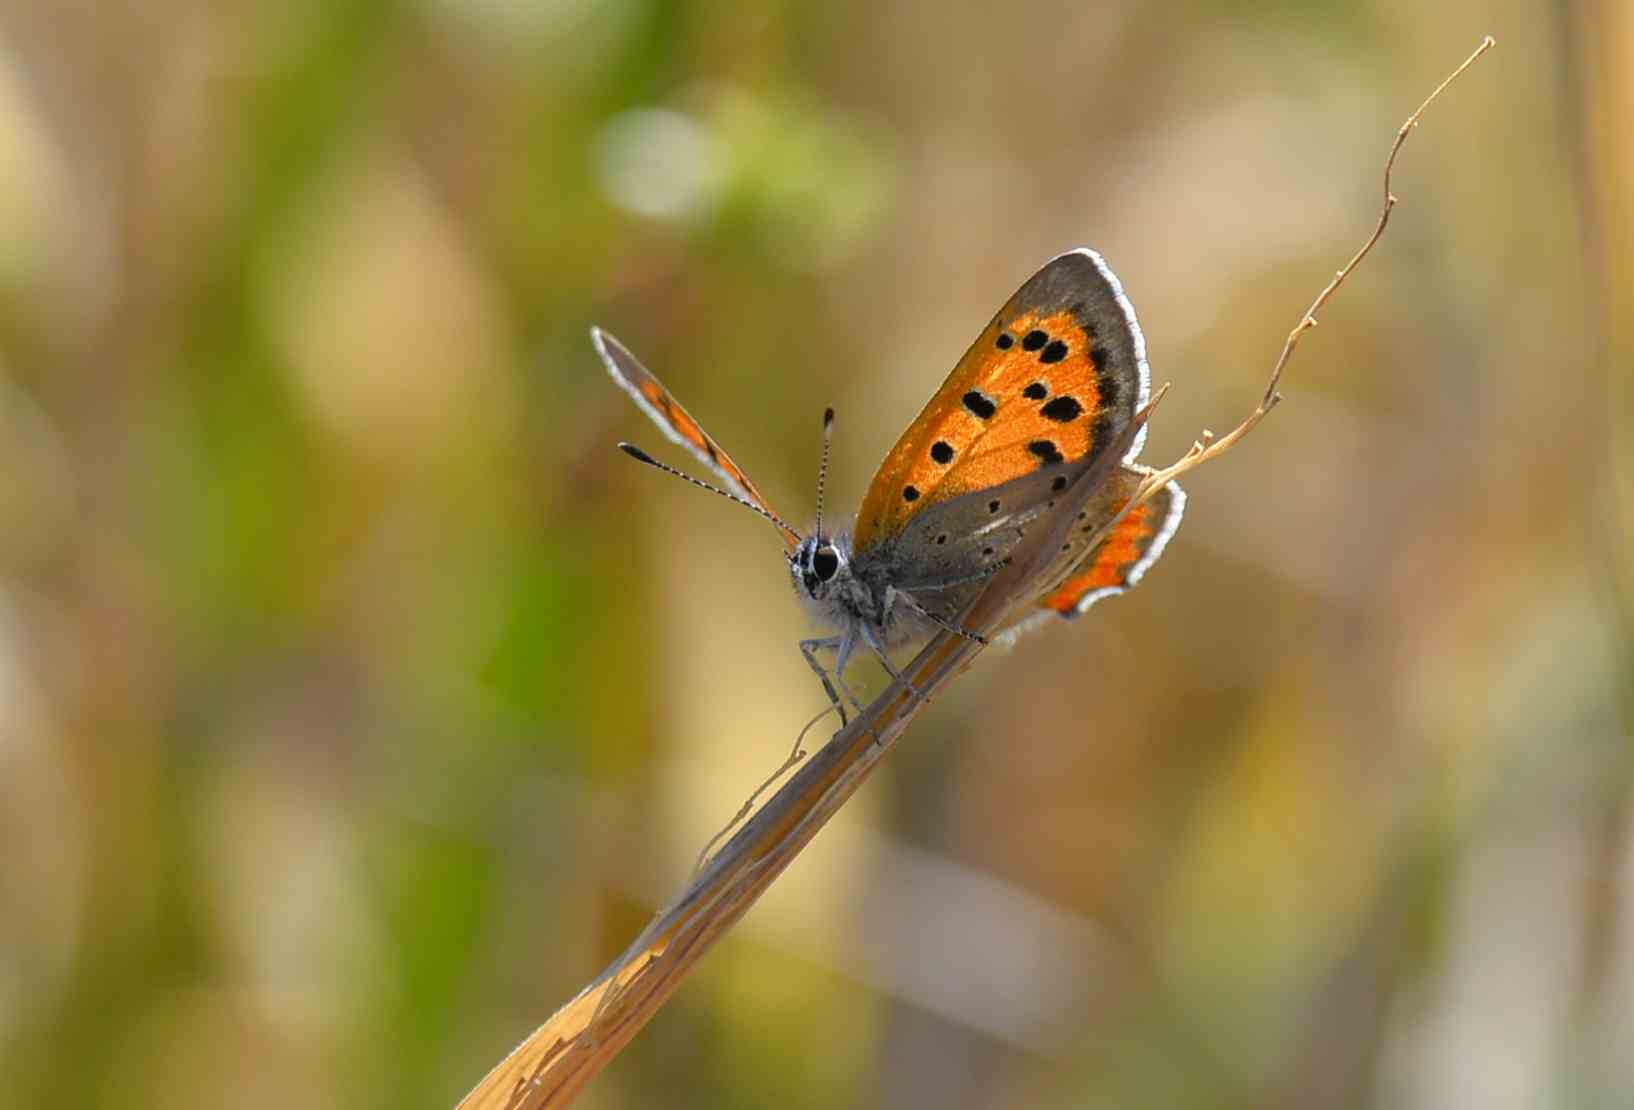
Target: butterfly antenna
{"type": "Point", "coordinates": [822, 467]}
{"type": "Point", "coordinates": [639, 455]}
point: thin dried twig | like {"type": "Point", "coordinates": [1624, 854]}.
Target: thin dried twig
{"type": "Point", "coordinates": [796, 754]}
{"type": "Point", "coordinates": [1207, 447]}
{"type": "Point", "coordinates": [561, 1056]}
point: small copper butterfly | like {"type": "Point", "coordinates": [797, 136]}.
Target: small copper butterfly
{"type": "Point", "coordinates": [1057, 380]}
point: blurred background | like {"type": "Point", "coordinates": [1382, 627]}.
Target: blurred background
{"type": "Point", "coordinates": [359, 702]}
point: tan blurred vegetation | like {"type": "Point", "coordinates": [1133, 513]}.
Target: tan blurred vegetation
{"type": "Point", "coordinates": [358, 702]}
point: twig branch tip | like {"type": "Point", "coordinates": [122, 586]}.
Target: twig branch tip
{"type": "Point", "coordinates": [1203, 452]}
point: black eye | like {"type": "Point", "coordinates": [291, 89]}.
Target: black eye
{"type": "Point", "coordinates": [825, 563]}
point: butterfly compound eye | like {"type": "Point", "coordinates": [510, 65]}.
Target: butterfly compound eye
{"type": "Point", "coordinates": [824, 562]}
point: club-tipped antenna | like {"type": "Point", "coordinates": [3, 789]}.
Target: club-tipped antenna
{"type": "Point", "coordinates": [639, 455]}
{"type": "Point", "coordinates": [822, 468]}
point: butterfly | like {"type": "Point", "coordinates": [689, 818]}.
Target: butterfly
{"type": "Point", "coordinates": [1052, 393]}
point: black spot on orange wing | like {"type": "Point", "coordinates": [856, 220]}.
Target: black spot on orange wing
{"type": "Point", "coordinates": [909, 493]}
{"type": "Point", "coordinates": [1005, 341]}
{"type": "Point", "coordinates": [942, 451]}
{"type": "Point", "coordinates": [1063, 410]}
{"type": "Point", "coordinates": [1046, 451]}
{"type": "Point", "coordinates": [1033, 340]}
{"type": "Point", "coordinates": [1036, 392]}
{"type": "Point", "coordinates": [1055, 352]}
{"type": "Point", "coordinates": [980, 404]}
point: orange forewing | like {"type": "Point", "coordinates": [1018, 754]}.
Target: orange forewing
{"type": "Point", "coordinates": [1054, 378]}
{"type": "Point", "coordinates": [988, 453]}
{"type": "Point", "coordinates": [687, 428]}
{"type": "Point", "coordinates": [677, 423]}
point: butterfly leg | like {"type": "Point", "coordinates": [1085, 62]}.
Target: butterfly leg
{"type": "Point", "coordinates": [841, 645]}
{"type": "Point", "coordinates": [956, 629]}
{"type": "Point", "coordinates": [842, 656]}
{"type": "Point", "coordinates": [885, 660]}
{"type": "Point", "coordinates": [949, 583]}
